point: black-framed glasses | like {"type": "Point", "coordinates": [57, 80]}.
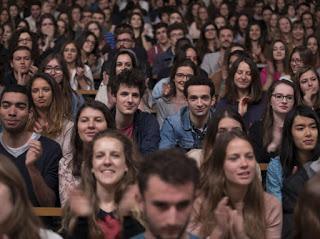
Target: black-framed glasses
{"type": "Point", "coordinates": [281, 97]}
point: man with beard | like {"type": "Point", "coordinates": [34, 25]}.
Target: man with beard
{"type": "Point", "coordinates": [212, 62]}
{"type": "Point", "coordinates": [36, 156]}
{"type": "Point", "coordinates": [167, 194]}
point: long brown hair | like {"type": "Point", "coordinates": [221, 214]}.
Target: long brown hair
{"type": "Point", "coordinates": [88, 181]}
{"type": "Point", "coordinates": [21, 223]}
{"type": "Point", "coordinates": [213, 189]}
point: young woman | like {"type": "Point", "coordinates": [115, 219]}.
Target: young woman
{"type": "Point", "coordinates": [255, 42]}
{"type": "Point", "coordinates": [300, 57]}
{"type": "Point", "coordinates": [201, 18]}
{"type": "Point", "coordinates": [266, 134]}
{"type": "Point", "coordinates": [277, 64]}
{"type": "Point", "coordinates": [232, 199]}
{"type": "Point", "coordinates": [285, 30]}
{"type": "Point", "coordinates": [138, 26]}
{"type": "Point", "coordinates": [96, 29]}
{"type": "Point", "coordinates": [49, 114]}
{"type": "Point", "coordinates": [6, 35]}
{"type": "Point", "coordinates": [17, 219]}
{"type": "Point", "coordinates": [298, 34]}
{"type": "Point", "coordinates": [172, 101]}
{"type": "Point", "coordinates": [208, 41]}
{"type": "Point", "coordinates": [80, 74]}
{"type": "Point", "coordinates": [299, 145]}
{"type": "Point", "coordinates": [243, 91]}
{"type": "Point", "coordinates": [92, 117]}
{"type": "Point", "coordinates": [107, 174]}
{"type": "Point", "coordinates": [55, 66]}
{"type": "Point", "coordinates": [313, 44]}
{"type": "Point", "coordinates": [308, 82]}
{"type": "Point", "coordinates": [241, 28]}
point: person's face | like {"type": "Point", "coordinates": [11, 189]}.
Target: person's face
{"type": "Point", "coordinates": [298, 32]}
{"type": "Point", "coordinates": [278, 51]}
{"type": "Point", "coordinates": [183, 74]}
{"type": "Point", "coordinates": [228, 124]}
{"type": "Point", "coordinates": [94, 29]}
{"type": "Point", "coordinates": [108, 14]}
{"type": "Point", "coordinates": [255, 33]}
{"type": "Point", "coordinates": [243, 22]}
{"type": "Point", "coordinates": [54, 69]}
{"type": "Point", "coordinates": [274, 20]}
{"type": "Point", "coordinates": [220, 22]}
{"type": "Point", "coordinates": [203, 13]}
{"type": "Point", "coordinates": [98, 18]}
{"type": "Point", "coordinates": [123, 62]}
{"type": "Point", "coordinates": [162, 35]}
{"type": "Point", "coordinates": [225, 38]}
{"type": "Point", "coordinates": [199, 100]}
{"type": "Point", "coordinates": [21, 24]}
{"type": "Point", "coordinates": [41, 93]}
{"type": "Point", "coordinates": [210, 32]}
{"type": "Point", "coordinates": [242, 77]}
{"type": "Point", "coordinates": [47, 27]}
{"type": "Point", "coordinates": [64, 17]}
{"type": "Point", "coordinates": [7, 33]}
{"type": "Point", "coordinates": [175, 18]}
{"type": "Point", "coordinates": [282, 99]}
{"type": "Point", "coordinates": [91, 121]}
{"type": "Point", "coordinates": [13, 11]}
{"type": "Point", "coordinates": [224, 10]}
{"type": "Point", "coordinates": [61, 27]}
{"type": "Point", "coordinates": [4, 16]}
{"type": "Point", "coordinates": [175, 35]}
{"type": "Point", "coordinates": [304, 133]}
{"type": "Point", "coordinates": [135, 21]}
{"type": "Point", "coordinates": [191, 54]}
{"type": "Point", "coordinates": [296, 62]}
{"type": "Point", "coordinates": [108, 162]}
{"type": "Point", "coordinates": [14, 112]}
{"type": "Point", "coordinates": [312, 44]}
{"type": "Point", "coordinates": [125, 41]}
{"type": "Point", "coordinates": [76, 15]}
{"type": "Point", "coordinates": [127, 99]}
{"type": "Point", "coordinates": [35, 11]}
{"type": "Point", "coordinates": [307, 20]}
{"type": "Point", "coordinates": [89, 44]}
{"type": "Point", "coordinates": [86, 17]}
{"type": "Point", "coordinates": [284, 25]}
{"type": "Point", "coordinates": [6, 205]}
{"type": "Point", "coordinates": [291, 11]}
{"type": "Point", "coordinates": [46, 8]}
{"type": "Point", "coordinates": [194, 11]}
{"type": "Point", "coordinates": [21, 61]}
{"type": "Point", "coordinates": [309, 83]}
{"type": "Point", "coordinates": [25, 40]}
{"type": "Point", "coordinates": [167, 207]}
{"type": "Point", "coordinates": [266, 16]}
{"type": "Point", "coordinates": [240, 163]}
{"type": "Point", "coordinates": [281, 4]}
{"type": "Point", "coordinates": [103, 4]}
{"type": "Point", "coordinates": [258, 9]}
{"type": "Point", "coordinates": [70, 53]}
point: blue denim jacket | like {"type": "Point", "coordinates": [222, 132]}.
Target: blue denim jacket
{"type": "Point", "coordinates": [274, 178]}
{"type": "Point", "coordinates": [177, 131]}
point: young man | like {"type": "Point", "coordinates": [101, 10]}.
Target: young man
{"type": "Point", "coordinates": [187, 128]}
{"type": "Point", "coordinates": [22, 68]}
{"type": "Point", "coordinates": [36, 156]}
{"type": "Point", "coordinates": [128, 88]}
{"type": "Point", "coordinates": [35, 10]}
{"type": "Point", "coordinates": [212, 62]}
{"type": "Point", "coordinates": [167, 183]}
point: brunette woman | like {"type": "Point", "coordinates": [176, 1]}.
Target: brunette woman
{"type": "Point", "coordinates": [299, 145]}
{"type": "Point", "coordinates": [243, 91]}
{"type": "Point", "coordinates": [266, 134]}
{"type": "Point", "coordinates": [55, 66]}
{"type": "Point", "coordinates": [312, 43]}
{"type": "Point", "coordinates": [49, 114]}
{"type": "Point", "coordinates": [17, 218]}
{"type": "Point", "coordinates": [92, 117]}
{"type": "Point", "coordinates": [138, 26]}
{"type": "Point", "coordinates": [300, 57]}
{"type": "Point", "coordinates": [80, 74]}
{"type": "Point", "coordinates": [201, 18]}
{"type": "Point", "coordinates": [231, 194]}
{"type": "Point", "coordinates": [107, 174]}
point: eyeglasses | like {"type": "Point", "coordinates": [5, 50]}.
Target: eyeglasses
{"type": "Point", "coordinates": [281, 97]}
{"type": "Point", "coordinates": [296, 60]}
{"type": "Point", "coordinates": [210, 29]}
{"type": "Point", "coordinates": [181, 76]}
{"type": "Point", "coordinates": [56, 69]}
{"type": "Point", "coordinates": [24, 39]}
{"type": "Point", "coordinates": [124, 40]}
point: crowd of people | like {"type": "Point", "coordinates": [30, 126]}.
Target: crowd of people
{"type": "Point", "coordinates": [148, 119]}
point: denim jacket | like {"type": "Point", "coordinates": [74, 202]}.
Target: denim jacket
{"type": "Point", "coordinates": [177, 131]}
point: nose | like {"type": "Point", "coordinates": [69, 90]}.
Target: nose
{"type": "Point", "coordinates": [107, 160]}
{"type": "Point", "coordinates": [91, 124]}
{"type": "Point", "coordinates": [309, 83]}
{"type": "Point", "coordinates": [40, 93]}
{"type": "Point", "coordinates": [199, 102]}
{"type": "Point", "coordinates": [307, 131]}
{"type": "Point", "coordinates": [12, 111]}
{"type": "Point", "coordinates": [129, 98]}
{"type": "Point", "coordinates": [244, 162]}
{"type": "Point", "coordinates": [172, 218]}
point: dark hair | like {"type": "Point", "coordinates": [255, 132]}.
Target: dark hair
{"type": "Point", "coordinates": [261, 40]}
{"type": "Point", "coordinates": [171, 166]}
{"type": "Point", "coordinates": [268, 119]}
{"type": "Point", "coordinates": [177, 26]}
{"type": "Point", "coordinates": [202, 43]}
{"type": "Point", "coordinates": [16, 89]}
{"type": "Point", "coordinates": [288, 152]}
{"type": "Point", "coordinates": [42, 18]}
{"type": "Point", "coordinates": [130, 78]}
{"type": "Point", "coordinates": [78, 60]}
{"type": "Point", "coordinates": [20, 48]}
{"type": "Point", "coordinates": [124, 28]}
{"type": "Point", "coordinates": [198, 80]}
{"type": "Point", "coordinates": [305, 55]}
{"type": "Point", "coordinates": [83, 38]}
{"type": "Point", "coordinates": [159, 25]}
{"type": "Point", "coordinates": [255, 91]}
{"type": "Point", "coordinates": [79, 153]}
{"type": "Point", "coordinates": [225, 28]}
{"type": "Point", "coordinates": [213, 125]}
{"type": "Point", "coordinates": [306, 214]}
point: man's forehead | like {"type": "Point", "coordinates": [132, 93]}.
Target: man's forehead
{"type": "Point", "coordinates": [124, 87]}
{"type": "Point", "coordinates": [22, 52]}
{"type": "Point", "coordinates": [14, 97]}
